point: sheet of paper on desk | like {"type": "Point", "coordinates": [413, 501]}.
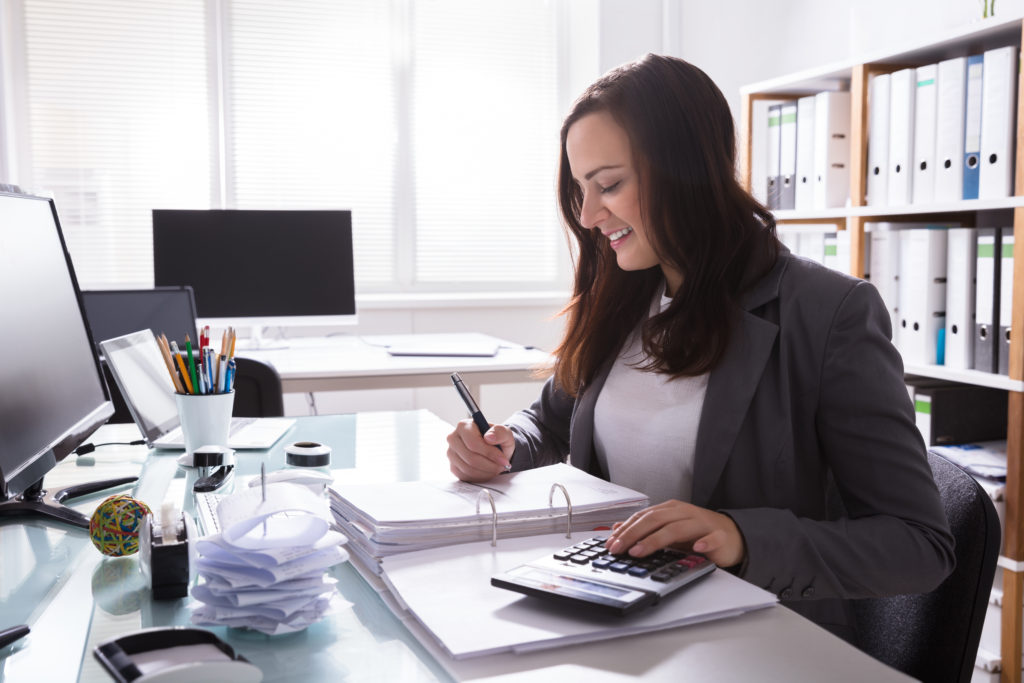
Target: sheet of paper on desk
{"type": "Point", "coordinates": [448, 591]}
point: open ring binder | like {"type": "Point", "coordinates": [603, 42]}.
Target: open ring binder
{"type": "Point", "coordinates": [568, 503]}
{"type": "Point", "coordinates": [494, 514]}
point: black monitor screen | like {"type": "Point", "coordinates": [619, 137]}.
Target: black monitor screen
{"type": "Point", "coordinates": [52, 396]}
{"type": "Point", "coordinates": [117, 312]}
{"type": "Point", "coordinates": [258, 264]}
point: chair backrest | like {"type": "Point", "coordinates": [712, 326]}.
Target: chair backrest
{"type": "Point", "coordinates": [934, 636]}
{"type": "Point", "coordinates": [257, 389]}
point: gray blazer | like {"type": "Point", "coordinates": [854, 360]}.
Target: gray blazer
{"type": "Point", "coordinates": [808, 400]}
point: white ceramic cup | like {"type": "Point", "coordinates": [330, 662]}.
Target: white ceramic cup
{"type": "Point", "coordinates": [205, 419]}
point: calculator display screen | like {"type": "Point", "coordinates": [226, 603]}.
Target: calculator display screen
{"type": "Point", "coordinates": [575, 587]}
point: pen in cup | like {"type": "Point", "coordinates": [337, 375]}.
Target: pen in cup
{"type": "Point", "coordinates": [474, 410]}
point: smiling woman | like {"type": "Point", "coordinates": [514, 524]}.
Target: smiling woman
{"type": "Point", "coordinates": [707, 367]}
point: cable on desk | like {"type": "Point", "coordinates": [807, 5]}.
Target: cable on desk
{"type": "Point", "coordinates": [311, 402]}
{"type": "Point", "coordinates": [90, 447]}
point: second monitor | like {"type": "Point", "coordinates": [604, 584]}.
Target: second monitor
{"type": "Point", "coordinates": [259, 267]}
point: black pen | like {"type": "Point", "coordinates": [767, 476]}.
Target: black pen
{"type": "Point", "coordinates": [8, 636]}
{"type": "Point", "coordinates": [474, 409]}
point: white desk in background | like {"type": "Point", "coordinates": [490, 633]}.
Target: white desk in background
{"type": "Point", "coordinates": [52, 579]}
{"type": "Point", "coordinates": [347, 362]}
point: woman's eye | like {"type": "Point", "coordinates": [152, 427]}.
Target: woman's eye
{"type": "Point", "coordinates": [610, 188]}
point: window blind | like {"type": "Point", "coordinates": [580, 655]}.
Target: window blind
{"type": "Point", "coordinates": [117, 107]}
{"type": "Point", "coordinates": [435, 122]}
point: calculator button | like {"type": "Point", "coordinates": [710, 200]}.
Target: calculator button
{"type": "Point", "coordinates": [663, 575]}
{"type": "Point", "coordinates": [602, 562]}
{"type": "Point", "coordinates": [563, 555]}
{"type": "Point", "coordinates": [639, 572]}
{"type": "Point", "coordinates": [590, 553]}
{"type": "Point", "coordinates": [620, 567]}
{"type": "Point", "coordinates": [579, 559]}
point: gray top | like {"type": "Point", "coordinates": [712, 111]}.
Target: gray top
{"type": "Point", "coordinates": [810, 391]}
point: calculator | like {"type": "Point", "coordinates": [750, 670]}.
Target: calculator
{"type": "Point", "coordinates": [586, 573]}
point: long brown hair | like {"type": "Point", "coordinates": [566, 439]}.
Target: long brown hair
{"type": "Point", "coordinates": [697, 217]}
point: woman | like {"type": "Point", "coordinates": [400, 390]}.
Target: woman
{"type": "Point", "coordinates": [739, 387]}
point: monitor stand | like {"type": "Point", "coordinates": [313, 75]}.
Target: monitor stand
{"type": "Point", "coordinates": [257, 342]}
{"type": "Point", "coordinates": [37, 501]}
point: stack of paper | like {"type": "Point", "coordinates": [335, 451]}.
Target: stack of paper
{"type": "Point", "coordinates": [265, 569]}
{"type": "Point", "coordinates": [384, 519]}
{"type": "Point", "coordinates": [444, 595]}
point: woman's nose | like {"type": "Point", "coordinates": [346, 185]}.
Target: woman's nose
{"type": "Point", "coordinates": [591, 211]}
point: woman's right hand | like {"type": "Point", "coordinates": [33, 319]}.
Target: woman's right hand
{"type": "Point", "coordinates": [476, 458]}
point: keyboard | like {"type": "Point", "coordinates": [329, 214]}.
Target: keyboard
{"type": "Point", "coordinates": [586, 573]}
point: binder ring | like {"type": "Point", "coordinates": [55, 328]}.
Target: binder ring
{"type": "Point", "coordinates": [494, 514]}
{"type": "Point", "coordinates": [568, 503]}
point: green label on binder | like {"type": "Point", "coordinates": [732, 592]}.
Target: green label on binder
{"type": "Point", "coordinates": [986, 250]}
{"type": "Point", "coordinates": [1008, 250]}
{"type": "Point", "coordinates": [930, 81]}
{"type": "Point", "coordinates": [923, 406]}
{"type": "Point", "coordinates": [831, 250]}
{"type": "Point", "coordinates": [789, 118]}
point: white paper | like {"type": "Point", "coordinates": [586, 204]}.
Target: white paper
{"type": "Point", "coordinates": [448, 591]}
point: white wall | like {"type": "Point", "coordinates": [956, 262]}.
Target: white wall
{"type": "Point", "coordinates": [749, 41]}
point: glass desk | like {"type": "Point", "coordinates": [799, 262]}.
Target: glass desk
{"type": "Point", "coordinates": [73, 598]}
{"type": "Point", "coordinates": [54, 580]}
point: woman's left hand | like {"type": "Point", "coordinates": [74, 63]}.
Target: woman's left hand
{"type": "Point", "coordinates": [674, 522]}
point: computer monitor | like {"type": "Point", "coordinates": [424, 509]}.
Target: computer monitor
{"type": "Point", "coordinates": [259, 268]}
{"type": "Point", "coordinates": [53, 395]}
{"type": "Point", "coordinates": [164, 310]}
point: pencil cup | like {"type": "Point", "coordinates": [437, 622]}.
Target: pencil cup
{"type": "Point", "coordinates": [205, 419]}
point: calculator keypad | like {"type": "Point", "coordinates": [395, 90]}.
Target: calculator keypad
{"type": "Point", "coordinates": [661, 566]}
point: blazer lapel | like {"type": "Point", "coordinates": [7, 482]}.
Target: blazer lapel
{"type": "Point", "coordinates": [732, 384]}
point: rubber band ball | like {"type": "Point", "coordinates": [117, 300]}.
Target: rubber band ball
{"type": "Point", "coordinates": [114, 526]}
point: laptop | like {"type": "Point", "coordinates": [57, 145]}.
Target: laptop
{"type": "Point", "coordinates": [141, 375]}
{"type": "Point", "coordinates": [470, 344]}
{"type": "Point", "coordinates": [164, 310]}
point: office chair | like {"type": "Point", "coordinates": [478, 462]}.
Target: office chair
{"type": "Point", "coordinates": [257, 389]}
{"type": "Point", "coordinates": [934, 636]}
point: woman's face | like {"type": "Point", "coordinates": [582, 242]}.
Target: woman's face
{"type": "Point", "coordinates": [601, 160]}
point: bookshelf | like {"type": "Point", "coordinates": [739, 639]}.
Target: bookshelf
{"type": "Point", "coordinates": [854, 76]}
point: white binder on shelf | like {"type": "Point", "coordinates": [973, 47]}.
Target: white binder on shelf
{"type": "Point", "coordinates": [787, 156]}
{"type": "Point", "coordinates": [1005, 298]}
{"type": "Point", "coordinates": [903, 85]}
{"type": "Point", "coordinates": [961, 261]}
{"type": "Point", "coordinates": [922, 294]}
{"type": "Point", "coordinates": [759, 149]}
{"type": "Point", "coordinates": [949, 130]}
{"type": "Point", "coordinates": [986, 301]}
{"type": "Point", "coordinates": [883, 265]}
{"type": "Point", "coordinates": [925, 119]}
{"type": "Point", "coordinates": [773, 180]}
{"type": "Point", "coordinates": [804, 197]}
{"type": "Point", "coordinates": [837, 250]}
{"type": "Point", "coordinates": [831, 149]}
{"type": "Point", "coordinates": [998, 106]}
{"type": "Point", "coordinates": [972, 125]}
{"type": "Point", "coordinates": [812, 245]}
{"type": "Point", "coordinates": [878, 141]}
